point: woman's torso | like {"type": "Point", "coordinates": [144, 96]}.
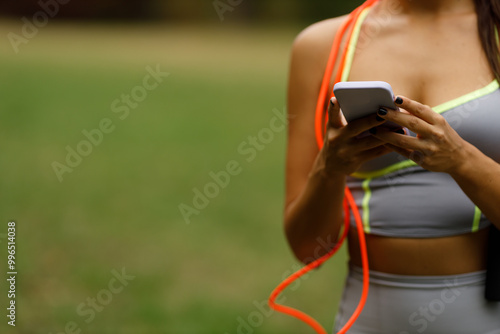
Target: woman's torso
{"type": "Point", "coordinates": [432, 60]}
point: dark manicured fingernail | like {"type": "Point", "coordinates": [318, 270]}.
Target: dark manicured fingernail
{"type": "Point", "coordinates": [382, 111]}
{"type": "Point", "coordinates": [373, 131]}
{"type": "Point", "coordinates": [378, 118]}
{"type": "Point", "coordinates": [400, 131]}
{"type": "Point", "coordinates": [331, 102]}
{"type": "Point", "coordinates": [398, 100]}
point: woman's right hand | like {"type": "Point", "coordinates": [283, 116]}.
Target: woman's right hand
{"type": "Point", "coordinates": [344, 151]}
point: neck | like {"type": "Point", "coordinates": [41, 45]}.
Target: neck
{"type": "Point", "coordinates": [431, 7]}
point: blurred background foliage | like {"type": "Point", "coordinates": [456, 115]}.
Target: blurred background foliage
{"type": "Point", "coordinates": [249, 11]}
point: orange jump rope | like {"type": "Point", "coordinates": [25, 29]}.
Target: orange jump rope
{"type": "Point", "coordinates": [321, 118]}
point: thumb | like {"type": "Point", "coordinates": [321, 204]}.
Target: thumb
{"type": "Point", "coordinates": [335, 117]}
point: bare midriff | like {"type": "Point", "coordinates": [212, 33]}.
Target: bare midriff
{"type": "Point", "coordinates": [459, 254]}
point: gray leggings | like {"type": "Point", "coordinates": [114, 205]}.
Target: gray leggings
{"type": "Point", "coordinates": [400, 304]}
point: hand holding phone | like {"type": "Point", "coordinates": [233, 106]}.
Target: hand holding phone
{"type": "Point", "coordinates": [359, 99]}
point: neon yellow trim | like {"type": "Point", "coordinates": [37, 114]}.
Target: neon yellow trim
{"type": "Point", "coordinates": [365, 205]}
{"type": "Point", "coordinates": [386, 170]}
{"type": "Point", "coordinates": [477, 218]}
{"type": "Point", "coordinates": [351, 47]}
{"type": "Point", "coordinates": [490, 88]}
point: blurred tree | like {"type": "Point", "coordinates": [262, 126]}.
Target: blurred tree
{"type": "Point", "coordinates": [277, 11]}
{"type": "Point", "coordinates": [79, 9]}
{"type": "Point", "coordinates": [315, 10]}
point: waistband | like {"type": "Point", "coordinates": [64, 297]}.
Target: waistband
{"type": "Point", "coordinates": [420, 282]}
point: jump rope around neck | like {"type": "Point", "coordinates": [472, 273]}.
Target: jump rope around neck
{"type": "Point", "coordinates": [320, 129]}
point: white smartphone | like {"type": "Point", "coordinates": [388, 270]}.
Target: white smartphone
{"type": "Point", "coordinates": [358, 99]}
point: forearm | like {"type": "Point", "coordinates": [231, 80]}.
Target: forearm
{"type": "Point", "coordinates": [479, 178]}
{"type": "Point", "coordinates": [313, 220]}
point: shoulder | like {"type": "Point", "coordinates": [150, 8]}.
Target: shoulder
{"type": "Point", "coordinates": [312, 45]}
{"type": "Point", "coordinates": [310, 52]}
{"type": "Point", "coordinates": [320, 31]}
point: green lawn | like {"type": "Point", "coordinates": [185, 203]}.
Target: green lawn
{"type": "Point", "coordinates": [118, 208]}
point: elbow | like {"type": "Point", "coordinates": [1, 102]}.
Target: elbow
{"type": "Point", "coordinates": [302, 254]}
{"type": "Point", "coordinates": [307, 249]}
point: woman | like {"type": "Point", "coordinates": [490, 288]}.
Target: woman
{"type": "Point", "coordinates": [428, 198]}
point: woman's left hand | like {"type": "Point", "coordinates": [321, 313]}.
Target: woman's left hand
{"type": "Point", "coordinates": [437, 147]}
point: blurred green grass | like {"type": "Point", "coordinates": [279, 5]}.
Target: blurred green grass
{"type": "Point", "coordinates": [119, 207]}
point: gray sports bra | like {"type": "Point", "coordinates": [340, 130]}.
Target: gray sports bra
{"type": "Point", "coordinates": [398, 198]}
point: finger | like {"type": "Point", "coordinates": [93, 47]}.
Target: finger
{"type": "Point", "coordinates": [404, 152]}
{"type": "Point", "coordinates": [376, 152]}
{"type": "Point", "coordinates": [416, 156]}
{"type": "Point", "coordinates": [361, 125]}
{"type": "Point", "coordinates": [418, 109]}
{"type": "Point", "coordinates": [410, 121]}
{"type": "Point", "coordinates": [367, 143]}
{"type": "Point", "coordinates": [335, 117]}
{"type": "Point", "coordinates": [401, 141]}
